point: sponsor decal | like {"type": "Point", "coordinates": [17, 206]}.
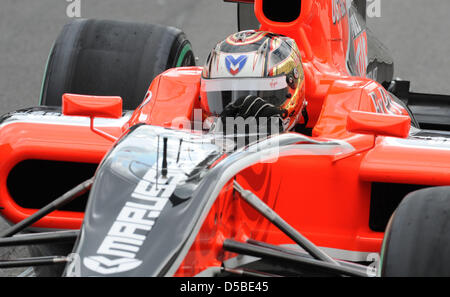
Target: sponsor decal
{"type": "Point", "coordinates": [359, 37]}
{"type": "Point", "coordinates": [235, 65]}
{"type": "Point", "coordinates": [273, 83]}
{"type": "Point", "coordinates": [360, 46]}
{"type": "Point", "coordinates": [383, 102]}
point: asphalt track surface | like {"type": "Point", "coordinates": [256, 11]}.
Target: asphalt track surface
{"type": "Point", "coordinates": [416, 31]}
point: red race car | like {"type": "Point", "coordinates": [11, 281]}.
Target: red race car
{"type": "Point", "coordinates": [116, 178]}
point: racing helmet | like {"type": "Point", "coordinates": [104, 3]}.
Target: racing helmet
{"type": "Point", "coordinates": [256, 63]}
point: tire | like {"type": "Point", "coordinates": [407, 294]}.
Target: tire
{"type": "Point", "coordinates": [100, 57]}
{"type": "Point", "coordinates": [417, 239]}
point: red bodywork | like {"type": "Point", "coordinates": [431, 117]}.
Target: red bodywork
{"type": "Point", "coordinates": [327, 199]}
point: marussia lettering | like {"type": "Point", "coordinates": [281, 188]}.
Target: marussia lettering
{"type": "Point", "coordinates": [134, 222]}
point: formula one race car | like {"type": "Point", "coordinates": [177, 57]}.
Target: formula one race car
{"type": "Point", "coordinates": [110, 177]}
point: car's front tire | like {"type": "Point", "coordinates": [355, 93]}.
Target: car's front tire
{"type": "Point", "coordinates": [417, 239]}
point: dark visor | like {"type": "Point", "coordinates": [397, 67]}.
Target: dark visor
{"type": "Point", "coordinates": [221, 92]}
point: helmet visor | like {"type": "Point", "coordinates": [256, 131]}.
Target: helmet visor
{"type": "Point", "coordinates": [222, 91]}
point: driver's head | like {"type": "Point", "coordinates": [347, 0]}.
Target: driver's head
{"type": "Point", "coordinates": [255, 63]}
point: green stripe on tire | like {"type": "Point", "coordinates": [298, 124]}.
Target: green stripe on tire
{"type": "Point", "coordinates": [44, 75]}
{"type": "Point", "coordinates": [183, 53]}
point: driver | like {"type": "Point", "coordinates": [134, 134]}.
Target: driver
{"type": "Point", "coordinates": [255, 74]}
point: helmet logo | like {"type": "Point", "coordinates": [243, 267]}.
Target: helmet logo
{"type": "Point", "coordinates": [273, 84]}
{"type": "Point", "coordinates": [234, 66]}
